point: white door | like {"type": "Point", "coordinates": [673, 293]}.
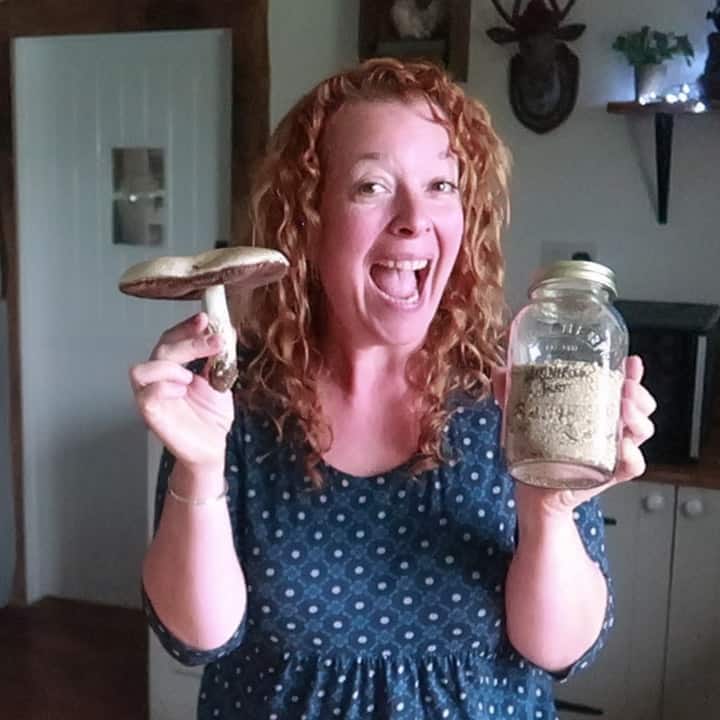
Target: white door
{"type": "Point", "coordinates": [119, 139]}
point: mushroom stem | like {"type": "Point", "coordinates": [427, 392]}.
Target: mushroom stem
{"type": "Point", "coordinates": [223, 367]}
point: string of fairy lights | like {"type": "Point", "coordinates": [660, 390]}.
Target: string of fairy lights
{"type": "Point", "coordinates": [685, 93]}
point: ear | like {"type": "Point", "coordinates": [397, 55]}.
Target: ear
{"type": "Point", "coordinates": [502, 36]}
{"type": "Point", "coordinates": [570, 32]}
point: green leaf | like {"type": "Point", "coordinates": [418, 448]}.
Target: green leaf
{"type": "Point", "coordinates": [646, 46]}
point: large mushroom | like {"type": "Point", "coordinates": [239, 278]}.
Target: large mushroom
{"type": "Point", "coordinates": [204, 277]}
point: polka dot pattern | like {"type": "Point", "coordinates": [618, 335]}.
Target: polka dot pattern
{"type": "Point", "coordinates": [377, 597]}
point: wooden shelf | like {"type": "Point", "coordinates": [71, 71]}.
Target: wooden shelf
{"type": "Point", "coordinates": [664, 121]}
{"type": "Point", "coordinates": [635, 108]}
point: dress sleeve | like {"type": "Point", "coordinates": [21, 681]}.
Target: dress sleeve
{"type": "Point", "coordinates": [234, 469]}
{"type": "Point", "coordinates": [591, 526]}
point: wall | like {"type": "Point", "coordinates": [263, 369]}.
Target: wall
{"type": "Point", "coordinates": [308, 40]}
{"type": "Point", "coordinates": [591, 181]}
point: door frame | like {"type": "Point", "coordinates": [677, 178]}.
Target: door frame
{"type": "Point", "coordinates": [250, 89]}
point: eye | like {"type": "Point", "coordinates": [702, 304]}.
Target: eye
{"type": "Point", "coordinates": [443, 186]}
{"type": "Point", "coordinates": [370, 188]}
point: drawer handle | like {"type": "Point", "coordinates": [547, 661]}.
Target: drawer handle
{"type": "Point", "coordinates": [693, 508]}
{"type": "Point", "coordinates": [654, 502]}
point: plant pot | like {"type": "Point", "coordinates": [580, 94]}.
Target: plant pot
{"type": "Point", "coordinates": [649, 79]}
{"type": "Point", "coordinates": [710, 79]}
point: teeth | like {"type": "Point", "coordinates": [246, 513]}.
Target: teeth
{"type": "Point", "coordinates": [404, 264]}
{"type": "Point", "coordinates": [408, 301]}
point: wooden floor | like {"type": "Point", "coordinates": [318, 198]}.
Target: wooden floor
{"type": "Point", "coordinates": [65, 660]}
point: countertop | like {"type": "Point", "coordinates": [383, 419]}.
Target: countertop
{"type": "Point", "coordinates": [705, 473]}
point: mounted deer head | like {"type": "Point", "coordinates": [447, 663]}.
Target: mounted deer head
{"type": "Point", "coordinates": [544, 73]}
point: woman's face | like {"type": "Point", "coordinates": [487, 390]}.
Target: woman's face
{"type": "Point", "coordinates": [391, 221]}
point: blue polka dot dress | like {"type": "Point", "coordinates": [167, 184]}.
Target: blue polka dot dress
{"type": "Point", "coordinates": [374, 598]}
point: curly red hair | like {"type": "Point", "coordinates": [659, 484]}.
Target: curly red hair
{"type": "Point", "coordinates": [282, 328]}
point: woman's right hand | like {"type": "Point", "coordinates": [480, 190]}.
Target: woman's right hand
{"type": "Point", "coordinates": [189, 417]}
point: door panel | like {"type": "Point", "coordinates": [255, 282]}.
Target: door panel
{"type": "Point", "coordinates": [693, 661]}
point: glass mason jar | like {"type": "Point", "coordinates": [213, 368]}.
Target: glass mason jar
{"type": "Point", "coordinates": [566, 365]}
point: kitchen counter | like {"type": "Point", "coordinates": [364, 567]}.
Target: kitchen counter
{"type": "Point", "coordinates": [705, 473]}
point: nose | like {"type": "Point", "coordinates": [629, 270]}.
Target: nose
{"type": "Point", "coordinates": [410, 218]}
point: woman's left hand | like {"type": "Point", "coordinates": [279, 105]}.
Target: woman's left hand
{"type": "Point", "coordinates": [637, 406]}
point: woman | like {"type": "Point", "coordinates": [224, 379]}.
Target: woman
{"type": "Point", "coordinates": [373, 558]}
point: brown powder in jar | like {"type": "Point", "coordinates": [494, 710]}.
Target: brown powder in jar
{"type": "Point", "coordinates": [565, 411]}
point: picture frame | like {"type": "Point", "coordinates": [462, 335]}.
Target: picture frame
{"type": "Point", "coordinates": [448, 44]}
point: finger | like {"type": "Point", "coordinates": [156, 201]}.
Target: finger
{"type": "Point", "coordinates": [639, 395]}
{"type": "Point", "coordinates": [189, 328]}
{"type": "Point", "coordinates": [634, 368]}
{"type": "Point", "coordinates": [631, 463]}
{"type": "Point", "coordinates": [639, 426]}
{"type": "Point", "coordinates": [150, 399]}
{"type": "Point", "coordinates": [154, 371]}
{"type": "Point", "coordinates": [185, 351]}
{"type": "Point", "coordinates": [499, 384]}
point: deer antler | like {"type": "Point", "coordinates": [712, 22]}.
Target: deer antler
{"type": "Point", "coordinates": [503, 13]}
{"type": "Point", "coordinates": [564, 13]}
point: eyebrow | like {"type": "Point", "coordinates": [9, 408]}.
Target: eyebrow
{"type": "Point", "coordinates": [442, 155]}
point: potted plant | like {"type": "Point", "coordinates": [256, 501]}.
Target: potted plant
{"type": "Point", "coordinates": [646, 50]}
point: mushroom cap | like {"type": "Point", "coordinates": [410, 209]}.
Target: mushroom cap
{"type": "Point", "coordinates": [185, 278]}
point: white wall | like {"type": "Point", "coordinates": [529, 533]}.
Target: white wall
{"type": "Point", "coordinates": [591, 181]}
{"type": "Point", "coordinates": [308, 41]}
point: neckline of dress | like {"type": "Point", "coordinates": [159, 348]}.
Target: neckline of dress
{"type": "Point", "coordinates": [401, 469]}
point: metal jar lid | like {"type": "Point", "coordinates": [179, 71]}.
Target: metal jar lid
{"type": "Point", "coordinates": [576, 270]}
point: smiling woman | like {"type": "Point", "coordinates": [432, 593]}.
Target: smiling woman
{"type": "Point", "coordinates": [373, 559]}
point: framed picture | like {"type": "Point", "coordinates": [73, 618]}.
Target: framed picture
{"type": "Point", "coordinates": [437, 30]}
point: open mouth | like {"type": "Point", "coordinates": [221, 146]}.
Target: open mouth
{"type": "Point", "coordinates": [400, 281]}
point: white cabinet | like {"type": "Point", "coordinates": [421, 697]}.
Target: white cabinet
{"type": "Point", "coordinates": [692, 677]}
{"type": "Point", "coordinates": [662, 660]}
{"type": "Point", "coordinates": [626, 679]}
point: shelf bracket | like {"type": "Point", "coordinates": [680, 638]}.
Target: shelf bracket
{"type": "Point", "coordinates": [663, 154]}
{"type": "Point", "coordinates": [664, 113]}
